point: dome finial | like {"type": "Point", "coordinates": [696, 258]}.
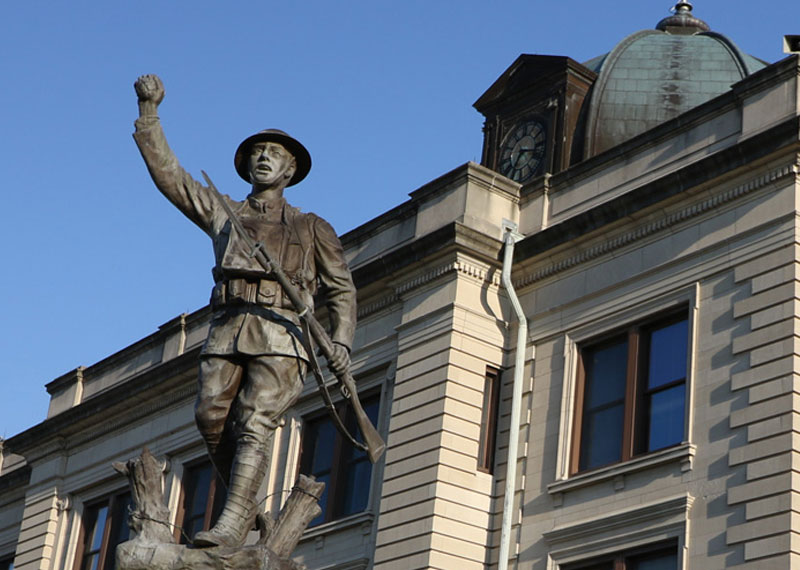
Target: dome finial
{"type": "Point", "coordinates": [682, 21]}
{"type": "Point", "coordinates": [682, 6]}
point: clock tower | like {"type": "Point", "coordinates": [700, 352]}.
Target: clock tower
{"type": "Point", "coordinates": [532, 114]}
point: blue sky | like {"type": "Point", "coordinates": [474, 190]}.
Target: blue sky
{"type": "Point", "coordinates": [380, 92]}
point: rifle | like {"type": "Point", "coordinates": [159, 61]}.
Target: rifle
{"type": "Point", "coordinates": [373, 443]}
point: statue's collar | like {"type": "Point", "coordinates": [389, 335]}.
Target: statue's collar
{"type": "Point", "coordinates": [266, 206]}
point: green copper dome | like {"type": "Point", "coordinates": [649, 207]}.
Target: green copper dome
{"type": "Point", "coordinates": [655, 75]}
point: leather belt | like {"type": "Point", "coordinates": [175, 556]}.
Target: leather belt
{"type": "Point", "coordinates": [239, 291]}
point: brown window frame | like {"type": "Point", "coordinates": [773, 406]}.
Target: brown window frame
{"type": "Point", "coordinates": [332, 509]}
{"type": "Point", "coordinates": [487, 444]}
{"type": "Point", "coordinates": [114, 518]}
{"type": "Point", "coordinates": [635, 415]}
{"type": "Point", "coordinates": [215, 497]}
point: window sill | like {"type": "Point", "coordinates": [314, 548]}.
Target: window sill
{"type": "Point", "coordinates": [364, 519]}
{"type": "Point", "coordinates": [683, 453]}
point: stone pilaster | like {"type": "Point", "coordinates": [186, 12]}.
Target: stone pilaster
{"type": "Point", "coordinates": [770, 317]}
{"type": "Point", "coordinates": [436, 505]}
{"type": "Point", "coordinates": [36, 547]}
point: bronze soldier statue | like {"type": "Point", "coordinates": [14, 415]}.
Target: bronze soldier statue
{"type": "Point", "coordinates": [253, 361]}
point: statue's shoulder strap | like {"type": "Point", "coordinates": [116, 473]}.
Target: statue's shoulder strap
{"type": "Point", "coordinates": [303, 225]}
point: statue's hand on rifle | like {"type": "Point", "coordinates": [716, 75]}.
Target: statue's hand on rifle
{"type": "Point", "coordinates": [150, 91]}
{"type": "Point", "coordinates": [339, 363]}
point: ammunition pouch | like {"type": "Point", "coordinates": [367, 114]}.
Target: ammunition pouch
{"type": "Point", "coordinates": [253, 291]}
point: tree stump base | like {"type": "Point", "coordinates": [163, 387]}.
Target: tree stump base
{"type": "Point", "coordinates": [154, 546]}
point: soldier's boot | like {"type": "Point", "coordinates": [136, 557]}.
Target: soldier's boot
{"type": "Point", "coordinates": [241, 508]}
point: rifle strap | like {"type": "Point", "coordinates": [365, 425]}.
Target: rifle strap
{"type": "Point", "coordinates": [323, 389]}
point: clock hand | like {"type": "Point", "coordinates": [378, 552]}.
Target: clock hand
{"type": "Point", "coordinates": [520, 154]}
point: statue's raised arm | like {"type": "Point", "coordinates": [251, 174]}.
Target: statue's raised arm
{"type": "Point", "coordinates": [191, 197]}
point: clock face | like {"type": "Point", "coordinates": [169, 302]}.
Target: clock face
{"type": "Point", "coordinates": [522, 152]}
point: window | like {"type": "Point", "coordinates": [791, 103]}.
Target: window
{"type": "Point", "coordinates": [345, 470]}
{"type": "Point", "coordinates": [201, 502]}
{"type": "Point", "coordinates": [631, 393]}
{"type": "Point", "coordinates": [491, 403]}
{"type": "Point", "coordinates": [7, 563]}
{"type": "Point", "coordinates": [661, 558]}
{"type": "Point", "coordinates": [105, 525]}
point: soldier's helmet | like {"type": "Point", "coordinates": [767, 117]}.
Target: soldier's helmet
{"type": "Point", "coordinates": [241, 160]}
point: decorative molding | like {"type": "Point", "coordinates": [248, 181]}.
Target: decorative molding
{"type": "Point", "coordinates": [64, 503]}
{"type": "Point", "coordinates": [620, 519]}
{"type": "Point", "coordinates": [426, 278]}
{"type": "Point", "coordinates": [375, 306]}
{"type": "Point", "coordinates": [684, 454]}
{"type": "Point", "coordinates": [646, 524]}
{"type": "Point", "coordinates": [360, 564]}
{"type": "Point", "coordinates": [651, 228]}
{"type": "Point", "coordinates": [477, 271]}
{"type": "Point", "coordinates": [327, 529]}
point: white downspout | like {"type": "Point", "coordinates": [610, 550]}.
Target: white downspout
{"type": "Point", "coordinates": [511, 237]}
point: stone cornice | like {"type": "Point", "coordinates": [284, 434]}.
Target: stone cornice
{"type": "Point", "coordinates": [666, 222]}
{"type": "Point", "coordinates": [693, 175]}
{"type": "Point", "coordinates": [451, 236]}
{"type": "Point", "coordinates": [463, 266]}
{"type": "Point", "coordinates": [460, 265]}
{"type": "Point", "coordinates": [377, 305]}
{"type": "Point", "coordinates": [768, 77]}
{"type": "Point", "coordinates": [17, 478]}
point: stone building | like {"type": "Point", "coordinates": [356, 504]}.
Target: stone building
{"type": "Point", "coordinates": [655, 193]}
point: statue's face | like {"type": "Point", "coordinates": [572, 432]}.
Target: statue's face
{"type": "Point", "coordinates": [270, 163]}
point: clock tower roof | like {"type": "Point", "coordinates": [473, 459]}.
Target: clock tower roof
{"type": "Point", "coordinates": [528, 73]}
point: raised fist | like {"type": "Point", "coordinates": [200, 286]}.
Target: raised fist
{"type": "Point", "coordinates": [149, 89]}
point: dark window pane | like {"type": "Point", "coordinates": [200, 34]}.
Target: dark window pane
{"type": "Point", "coordinates": [602, 437]}
{"type": "Point", "coordinates": [201, 483]}
{"type": "Point", "coordinates": [324, 437]}
{"type": "Point", "coordinates": [488, 434]}
{"type": "Point", "coordinates": [606, 369]}
{"type": "Point", "coordinates": [668, 359]}
{"type": "Point", "coordinates": [120, 529]}
{"type": "Point", "coordinates": [357, 468]}
{"type": "Point", "coordinates": [94, 528]}
{"type": "Point", "coordinates": [191, 528]}
{"type": "Point", "coordinates": [661, 561]}
{"type": "Point", "coordinates": [666, 417]}
{"type": "Point", "coordinates": [197, 482]}
{"type": "Point", "coordinates": [203, 490]}
{"type": "Point", "coordinates": [323, 501]}
{"type": "Point", "coordinates": [98, 528]}
{"type": "Point", "coordinates": [356, 488]}
{"type": "Point", "coordinates": [347, 477]}
{"type": "Point", "coordinates": [93, 562]}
